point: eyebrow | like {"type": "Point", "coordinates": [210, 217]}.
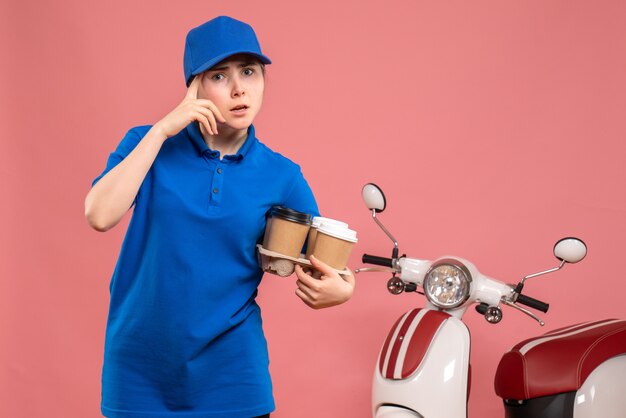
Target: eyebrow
{"type": "Point", "coordinates": [243, 64]}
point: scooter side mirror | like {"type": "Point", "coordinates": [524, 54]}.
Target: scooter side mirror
{"type": "Point", "coordinates": [571, 250]}
{"type": "Point", "coordinates": [373, 197]}
{"type": "Point", "coordinates": [566, 250]}
{"type": "Point", "coordinates": [375, 201]}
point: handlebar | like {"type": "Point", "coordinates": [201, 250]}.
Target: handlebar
{"type": "Point", "coordinates": [520, 299]}
{"type": "Point", "coordinates": [533, 303]}
{"type": "Point", "coordinates": [379, 261]}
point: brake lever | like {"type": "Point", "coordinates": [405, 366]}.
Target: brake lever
{"type": "Point", "coordinates": [526, 311]}
{"type": "Point", "coordinates": [374, 269]}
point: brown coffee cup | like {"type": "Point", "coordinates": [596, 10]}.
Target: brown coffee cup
{"type": "Point", "coordinates": [315, 223]}
{"type": "Point", "coordinates": [286, 231]}
{"type": "Point", "coordinates": [333, 245]}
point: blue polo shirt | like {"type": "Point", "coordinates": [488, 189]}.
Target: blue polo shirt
{"type": "Point", "coordinates": [184, 335]}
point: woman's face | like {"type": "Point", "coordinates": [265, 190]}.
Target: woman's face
{"type": "Point", "coordinates": [236, 87]}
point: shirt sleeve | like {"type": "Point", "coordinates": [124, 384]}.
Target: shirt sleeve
{"type": "Point", "coordinates": [129, 142]}
{"type": "Point", "coordinates": [125, 147]}
{"type": "Point", "coordinates": [301, 197]}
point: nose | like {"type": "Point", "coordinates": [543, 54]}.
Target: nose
{"type": "Point", "coordinates": [238, 89]}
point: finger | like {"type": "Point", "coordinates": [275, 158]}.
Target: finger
{"type": "Point", "coordinates": [321, 266]}
{"type": "Point", "coordinates": [219, 114]}
{"type": "Point", "coordinates": [301, 273]}
{"type": "Point", "coordinates": [305, 298]}
{"type": "Point", "coordinates": [205, 122]}
{"type": "Point", "coordinates": [192, 91]}
{"type": "Point", "coordinates": [309, 281]}
{"type": "Point", "coordinates": [306, 290]}
{"type": "Point", "coordinates": [209, 115]}
{"type": "Point", "coordinates": [210, 105]}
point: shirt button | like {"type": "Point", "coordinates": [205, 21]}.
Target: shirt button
{"type": "Point", "coordinates": [215, 190]}
{"type": "Point", "coordinates": [219, 171]}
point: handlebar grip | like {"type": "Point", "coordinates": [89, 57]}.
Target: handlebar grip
{"type": "Point", "coordinates": [533, 303]}
{"type": "Point", "coordinates": [379, 261]}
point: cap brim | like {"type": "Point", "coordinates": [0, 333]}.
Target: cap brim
{"type": "Point", "coordinates": [216, 60]}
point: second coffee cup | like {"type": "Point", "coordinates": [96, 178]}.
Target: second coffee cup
{"type": "Point", "coordinates": [315, 224]}
{"type": "Point", "coordinates": [333, 245]}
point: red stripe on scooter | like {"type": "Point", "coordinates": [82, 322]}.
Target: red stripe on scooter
{"type": "Point", "coordinates": [560, 331]}
{"type": "Point", "coordinates": [420, 341]}
{"type": "Point", "coordinates": [398, 343]}
{"type": "Point", "coordinates": [383, 353]}
{"type": "Point", "coordinates": [565, 330]}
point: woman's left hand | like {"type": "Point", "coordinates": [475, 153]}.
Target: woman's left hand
{"type": "Point", "coordinates": [329, 290]}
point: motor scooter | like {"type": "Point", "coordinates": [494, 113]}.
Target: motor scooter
{"type": "Point", "coordinates": [423, 368]}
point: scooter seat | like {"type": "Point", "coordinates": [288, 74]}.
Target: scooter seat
{"type": "Point", "coordinates": [558, 361]}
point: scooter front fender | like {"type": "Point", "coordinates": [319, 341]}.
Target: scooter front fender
{"type": "Point", "coordinates": [437, 388]}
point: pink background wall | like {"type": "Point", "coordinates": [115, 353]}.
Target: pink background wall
{"type": "Point", "coordinates": [494, 127]}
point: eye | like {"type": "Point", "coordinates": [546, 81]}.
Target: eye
{"type": "Point", "coordinates": [217, 77]}
{"type": "Point", "coordinates": [248, 71]}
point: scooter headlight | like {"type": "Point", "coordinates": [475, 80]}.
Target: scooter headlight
{"type": "Point", "coordinates": [447, 284]}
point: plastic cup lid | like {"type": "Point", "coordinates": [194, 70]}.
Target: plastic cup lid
{"type": "Point", "coordinates": [338, 231]}
{"type": "Point", "coordinates": [290, 215]}
{"type": "Point", "coordinates": [318, 220]}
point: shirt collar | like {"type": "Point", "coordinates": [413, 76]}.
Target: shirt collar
{"type": "Point", "coordinates": [193, 131]}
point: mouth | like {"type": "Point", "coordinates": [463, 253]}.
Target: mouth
{"type": "Point", "coordinates": [240, 108]}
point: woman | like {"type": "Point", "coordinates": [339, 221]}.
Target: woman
{"type": "Point", "coordinates": [184, 335]}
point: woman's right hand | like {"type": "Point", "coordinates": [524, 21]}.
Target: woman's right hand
{"type": "Point", "coordinates": [189, 110]}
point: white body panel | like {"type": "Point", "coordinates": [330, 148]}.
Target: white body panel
{"type": "Point", "coordinates": [438, 388]}
{"type": "Point", "coordinates": [483, 288]}
{"type": "Point", "coordinates": [604, 392]}
{"type": "Point", "coordinates": [414, 270]}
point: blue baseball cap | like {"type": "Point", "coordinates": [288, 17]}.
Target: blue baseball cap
{"type": "Point", "coordinates": [216, 40]}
